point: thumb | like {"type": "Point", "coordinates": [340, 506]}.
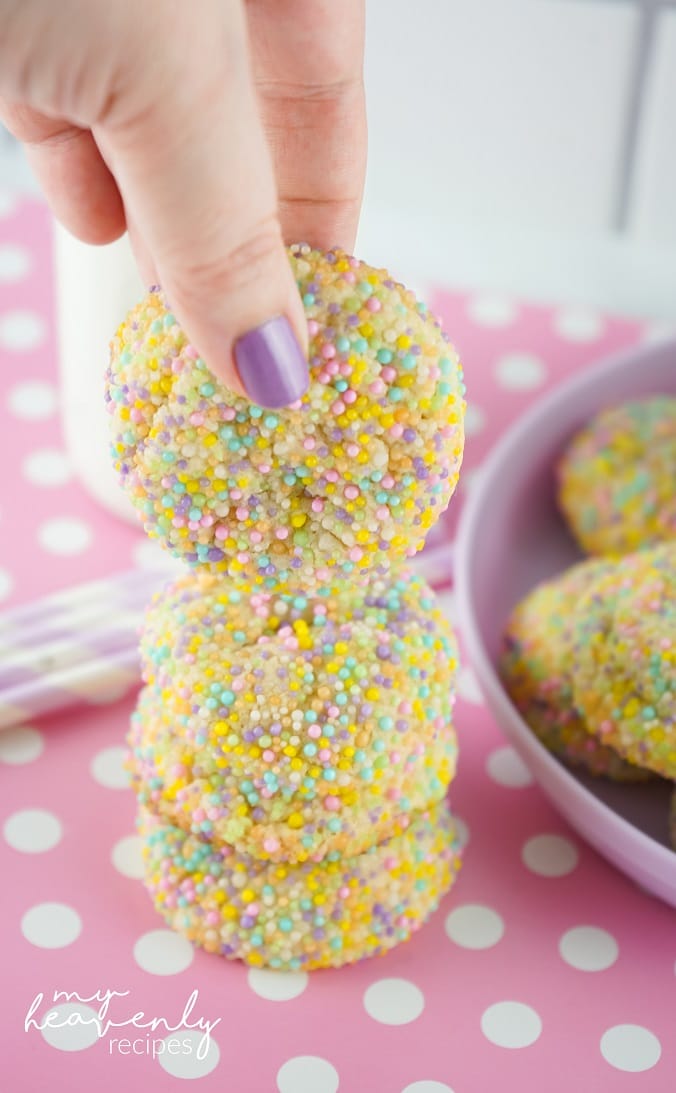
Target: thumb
{"type": "Point", "coordinates": [186, 147]}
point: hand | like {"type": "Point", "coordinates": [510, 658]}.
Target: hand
{"type": "Point", "coordinates": [212, 132]}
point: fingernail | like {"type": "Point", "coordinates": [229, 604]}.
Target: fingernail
{"type": "Point", "coordinates": [271, 364]}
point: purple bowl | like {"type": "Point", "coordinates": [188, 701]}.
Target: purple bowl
{"type": "Point", "coordinates": [511, 537]}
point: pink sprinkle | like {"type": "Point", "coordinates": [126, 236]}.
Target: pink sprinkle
{"type": "Point", "coordinates": [282, 533]}
{"type": "Point", "coordinates": [328, 351]}
{"type": "Point", "coordinates": [196, 419]}
{"type": "Point", "coordinates": [317, 505]}
{"type": "Point", "coordinates": [355, 554]}
{"type": "Point", "coordinates": [405, 706]}
{"type": "Point", "coordinates": [344, 892]}
{"type": "Point", "coordinates": [332, 475]}
{"type": "Point", "coordinates": [377, 387]}
{"type": "Point", "coordinates": [253, 909]}
{"type": "Point", "coordinates": [177, 522]}
{"type": "Point", "coordinates": [194, 525]}
{"type": "Point", "coordinates": [136, 416]}
{"type": "Point", "coordinates": [324, 755]}
{"type": "Point", "coordinates": [268, 755]}
{"type": "Point", "coordinates": [382, 512]}
{"type": "Point", "coordinates": [388, 373]}
{"type": "Point", "coordinates": [314, 731]}
{"type": "Point", "coordinates": [264, 468]}
{"type": "Point", "coordinates": [207, 521]}
{"type": "Point", "coordinates": [255, 536]}
{"type": "Point", "coordinates": [236, 495]}
{"type": "Point", "coordinates": [190, 351]}
{"type": "Point", "coordinates": [309, 443]}
{"type": "Point", "coordinates": [213, 918]}
{"type": "Point", "coordinates": [334, 711]}
{"type": "Point", "coordinates": [349, 396]}
{"type": "Point", "coordinates": [349, 277]}
{"type": "Point", "coordinates": [312, 327]}
{"type": "Point", "coordinates": [606, 726]}
{"type": "Point", "coordinates": [352, 450]}
{"type": "Point", "coordinates": [242, 557]}
{"type": "Point", "coordinates": [332, 804]}
{"type": "Point", "coordinates": [229, 413]}
{"type": "Point", "coordinates": [333, 368]}
{"type": "Point", "coordinates": [241, 513]}
{"type": "Point", "coordinates": [199, 815]}
{"type": "Point", "coordinates": [237, 685]}
{"type": "Point", "coordinates": [390, 863]}
{"type": "Point", "coordinates": [373, 303]}
{"type": "Point", "coordinates": [396, 430]}
{"type": "Point", "coordinates": [270, 845]}
{"type": "Point", "coordinates": [221, 532]}
{"type": "Point", "coordinates": [324, 376]}
{"type": "Point", "coordinates": [351, 492]}
{"type": "Point", "coordinates": [345, 369]}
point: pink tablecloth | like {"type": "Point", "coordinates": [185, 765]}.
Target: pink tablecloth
{"type": "Point", "coordinates": [544, 969]}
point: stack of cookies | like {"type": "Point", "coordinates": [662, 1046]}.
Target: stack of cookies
{"type": "Point", "coordinates": [293, 745]}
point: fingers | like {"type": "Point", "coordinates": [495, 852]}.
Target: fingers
{"type": "Point", "coordinates": [308, 66]}
{"type": "Point", "coordinates": [189, 155]}
{"type": "Point", "coordinates": [74, 178]}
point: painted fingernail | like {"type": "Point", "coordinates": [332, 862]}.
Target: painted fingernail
{"type": "Point", "coordinates": [271, 364]}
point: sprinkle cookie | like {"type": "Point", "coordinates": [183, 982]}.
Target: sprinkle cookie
{"type": "Point", "coordinates": [537, 670]}
{"type": "Point", "coordinates": [292, 726]}
{"type": "Point", "coordinates": [616, 478]}
{"type": "Point", "coordinates": [346, 479]}
{"type": "Point", "coordinates": [625, 659]}
{"type": "Point", "coordinates": [301, 916]}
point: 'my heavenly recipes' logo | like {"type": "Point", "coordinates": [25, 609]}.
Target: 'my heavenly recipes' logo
{"type": "Point", "coordinates": [107, 1016]}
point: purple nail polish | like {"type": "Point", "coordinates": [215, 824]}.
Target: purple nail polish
{"type": "Point", "coordinates": [271, 364]}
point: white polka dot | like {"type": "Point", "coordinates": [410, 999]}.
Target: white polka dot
{"type": "Point", "coordinates": [507, 768]}
{"type": "Point", "coordinates": [163, 952]}
{"type": "Point", "coordinates": [15, 262]}
{"type": "Point", "coordinates": [474, 926]}
{"type": "Point", "coordinates": [127, 856]}
{"type": "Point", "coordinates": [475, 419]}
{"type": "Point", "coordinates": [21, 330]}
{"type": "Point", "coordinates": [631, 1048]}
{"type": "Point", "coordinates": [307, 1074]}
{"type": "Point", "coordinates": [6, 584]}
{"type": "Point", "coordinates": [578, 325]}
{"type": "Point", "coordinates": [461, 831]}
{"type": "Point", "coordinates": [468, 688]}
{"type": "Point", "coordinates": [189, 1053]}
{"type": "Point", "coordinates": [51, 925]}
{"type": "Point", "coordinates": [491, 310]}
{"type": "Point", "coordinates": [394, 1001]}
{"type": "Point", "coordinates": [427, 1086]}
{"type": "Point", "coordinates": [47, 467]}
{"type": "Point", "coordinates": [149, 555]}
{"type": "Point", "coordinates": [108, 769]}
{"type": "Point", "coordinates": [550, 855]}
{"type": "Point", "coordinates": [7, 203]}
{"type": "Point", "coordinates": [64, 535]}
{"type": "Point", "coordinates": [277, 986]}
{"type": "Point", "coordinates": [69, 1032]}
{"type": "Point", "coordinates": [520, 371]}
{"type": "Point", "coordinates": [33, 400]}
{"type": "Point", "coordinates": [511, 1024]}
{"type": "Point", "coordinates": [588, 948]}
{"type": "Point", "coordinates": [32, 830]}
{"type": "Point", "coordinates": [21, 744]}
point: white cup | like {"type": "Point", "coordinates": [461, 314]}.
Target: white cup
{"type": "Point", "coordinates": [95, 288]}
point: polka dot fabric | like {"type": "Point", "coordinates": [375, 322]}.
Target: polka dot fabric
{"type": "Point", "coordinates": [543, 964]}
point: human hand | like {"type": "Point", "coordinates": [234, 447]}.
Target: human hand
{"type": "Point", "coordinates": [212, 133]}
